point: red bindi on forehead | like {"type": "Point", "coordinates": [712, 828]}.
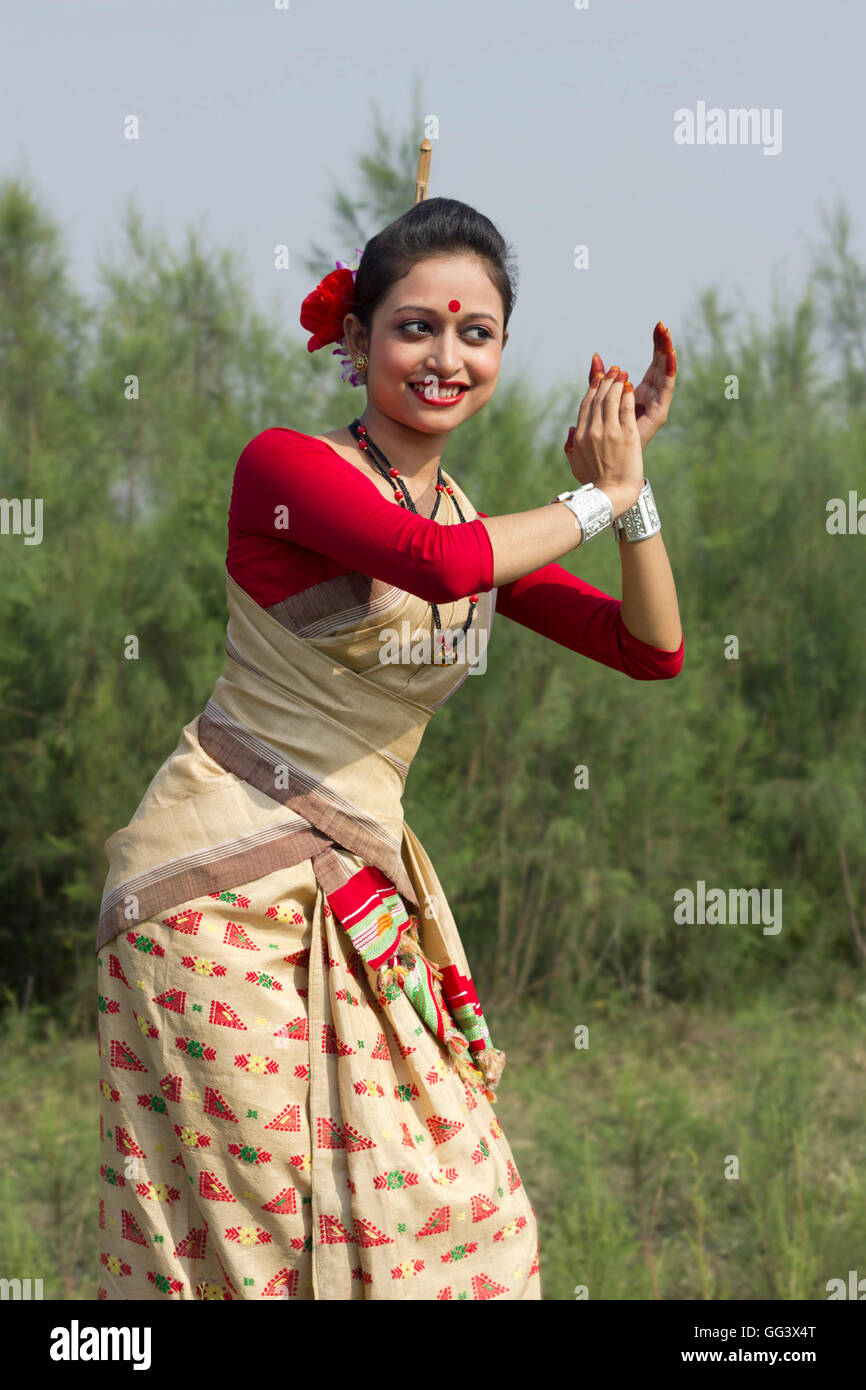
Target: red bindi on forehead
{"type": "Point", "coordinates": [454, 305]}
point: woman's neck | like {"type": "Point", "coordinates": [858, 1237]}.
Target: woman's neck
{"type": "Point", "coordinates": [416, 455]}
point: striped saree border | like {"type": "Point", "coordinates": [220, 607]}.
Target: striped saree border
{"type": "Point", "coordinates": [210, 870]}
{"type": "Point", "coordinates": [256, 762]}
{"type": "Point", "coordinates": [342, 602]}
{"type": "Point", "coordinates": [400, 764]}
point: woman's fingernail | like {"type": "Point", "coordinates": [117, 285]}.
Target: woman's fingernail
{"type": "Point", "coordinates": [611, 371]}
{"type": "Point", "coordinates": [628, 387]}
{"type": "Point", "coordinates": [622, 376]}
{"type": "Point", "coordinates": [594, 380]}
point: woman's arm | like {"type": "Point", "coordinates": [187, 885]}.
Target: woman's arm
{"type": "Point", "coordinates": [290, 488]}
{"type": "Point", "coordinates": [649, 598]}
{"type": "Point", "coordinates": [566, 609]}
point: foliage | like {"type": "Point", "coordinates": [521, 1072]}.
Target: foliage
{"type": "Point", "coordinates": [741, 773]}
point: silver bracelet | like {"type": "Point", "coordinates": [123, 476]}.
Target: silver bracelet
{"type": "Point", "coordinates": [640, 521]}
{"type": "Point", "coordinates": [592, 507]}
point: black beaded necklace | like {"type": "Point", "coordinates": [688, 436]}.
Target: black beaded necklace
{"type": "Point", "coordinates": [442, 655]}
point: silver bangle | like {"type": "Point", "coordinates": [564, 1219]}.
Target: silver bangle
{"type": "Point", "coordinates": [640, 521]}
{"type": "Point", "coordinates": [592, 507]}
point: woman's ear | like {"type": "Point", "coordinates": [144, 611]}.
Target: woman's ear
{"type": "Point", "coordinates": [353, 331]}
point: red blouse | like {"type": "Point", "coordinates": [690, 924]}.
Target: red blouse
{"type": "Point", "coordinates": [281, 539]}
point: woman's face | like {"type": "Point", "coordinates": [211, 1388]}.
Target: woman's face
{"type": "Point", "coordinates": [443, 322]}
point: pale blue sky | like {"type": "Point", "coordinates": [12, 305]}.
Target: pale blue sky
{"type": "Point", "coordinates": [556, 122]}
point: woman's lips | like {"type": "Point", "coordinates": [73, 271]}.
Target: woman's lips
{"type": "Point", "coordinates": [437, 400]}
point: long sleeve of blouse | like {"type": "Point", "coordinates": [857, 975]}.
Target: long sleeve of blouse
{"type": "Point", "coordinates": [300, 514]}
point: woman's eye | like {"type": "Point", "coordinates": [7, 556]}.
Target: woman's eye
{"type": "Point", "coordinates": [475, 328]}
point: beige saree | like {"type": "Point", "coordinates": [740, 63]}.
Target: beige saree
{"type": "Point", "coordinates": [296, 1075]}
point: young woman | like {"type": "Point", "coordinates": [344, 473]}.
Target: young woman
{"type": "Point", "coordinates": [296, 1074]}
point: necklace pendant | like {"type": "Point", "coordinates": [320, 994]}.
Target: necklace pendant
{"type": "Point", "coordinates": [444, 655]}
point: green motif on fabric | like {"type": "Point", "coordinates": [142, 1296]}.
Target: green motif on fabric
{"type": "Point", "coordinates": [144, 944]}
{"type": "Point", "coordinates": [158, 1105]}
{"type": "Point", "coordinates": [395, 1180]}
{"type": "Point", "coordinates": [195, 1049]}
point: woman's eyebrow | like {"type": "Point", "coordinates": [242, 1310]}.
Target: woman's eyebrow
{"type": "Point", "coordinates": [422, 309]}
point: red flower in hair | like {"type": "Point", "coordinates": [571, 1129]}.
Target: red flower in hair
{"type": "Point", "coordinates": [324, 309]}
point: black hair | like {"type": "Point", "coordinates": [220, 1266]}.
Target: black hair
{"type": "Point", "coordinates": [433, 227]}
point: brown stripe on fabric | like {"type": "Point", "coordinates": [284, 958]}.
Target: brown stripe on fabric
{"type": "Point", "coordinates": [212, 854]}
{"type": "Point", "coordinates": [345, 601]}
{"type": "Point", "coordinates": [192, 877]}
{"type": "Point", "coordinates": [330, 872]}
{"type": "Point", "coordinates": [254, 761]}
{"type": "Point", "coordinates": [400, 764]}
{"type": "Point", "coordinates": [232, 651]}
{"type": "Point", "coordinates": [235, 749]}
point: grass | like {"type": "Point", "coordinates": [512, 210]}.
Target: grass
{"type": "Point", "coordinates": [691, 1156]}
{"type": "Point", "coordinates": [682, 1155]}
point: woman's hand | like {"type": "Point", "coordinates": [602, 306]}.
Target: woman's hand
{"type": "Point", "coordinates": [654, 394]}
{"type": "Point", "coordinates": [604, 447]}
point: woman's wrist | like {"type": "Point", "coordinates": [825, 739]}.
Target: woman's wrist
{"type": "Point", "coordinates": [621, 496]}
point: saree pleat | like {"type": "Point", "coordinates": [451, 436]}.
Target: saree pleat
{"type": "Point", "coordinates": [296, 1075]}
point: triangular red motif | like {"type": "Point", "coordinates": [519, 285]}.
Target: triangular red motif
{"type": "Point", "coordinates": [484, 1287]}
{"type": "Point", "coordinates": [288, 1119]}
{"type": "Point", "coordinates": [224, 1015]}
{"type": "Point", "coordinates": [367, 1234]}
{"type": "Point", "coordinates": [442, 1129]}
{"type": "Point", "coordinates": [333, 1232]}
{"type": "Point", "coordinates": [210, 1186]}
{"type": "Point", "coordinates": [236, 936]}
{"type": "Point", "coordinates": [215, 1105]}
{"type": "Point", "coordinates": [440, 1221]}
{"type": "Point", "coordinates": [192, 1247]}
{"type": "Point", "coordinates": [174, 999]}
{"type": "Point", "coordinates": [482, 1207]}
{"type": "Point", "coordinates": [356, 1141]}
{"type": "Point", "coordinates": [130, 1229]}
{"type": "Point", "coordinates": [284, 1204]}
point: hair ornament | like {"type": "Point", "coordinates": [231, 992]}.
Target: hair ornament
{"type": "Point", "coordinates": [325, 307]}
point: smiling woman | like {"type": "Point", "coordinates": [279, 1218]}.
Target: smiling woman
{"type": "Point", "coordinates": [297, 1075]}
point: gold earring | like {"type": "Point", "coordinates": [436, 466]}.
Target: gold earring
{"type": "Point", "coordinates": [360, 361]}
